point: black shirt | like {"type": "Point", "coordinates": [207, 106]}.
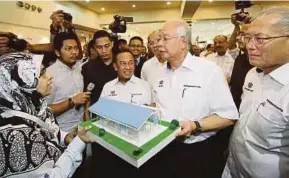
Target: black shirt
{"type": "Point", "coordinates": [240, 69]}
{"type": "Point", "coordinates": [99, 74]}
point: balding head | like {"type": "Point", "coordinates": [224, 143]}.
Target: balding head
{"type": "Point", "coordinates": [153, 39]}
{"type": "Point", "coordinates": [221, 44]}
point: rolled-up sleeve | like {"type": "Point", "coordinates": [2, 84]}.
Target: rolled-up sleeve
{"type": "Point", "coordinates": [221, 101]}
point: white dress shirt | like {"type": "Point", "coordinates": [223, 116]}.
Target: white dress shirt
{"type": "Point", "coordinates": [259, 145]}
{"type": "Point", "coordinates": [152, 70]}
{"type": "Point", "coordinates": [133, 91]}
{"type": "Point", "coordinates": [193, 91]}
{"type": "Point", "coordinates": [66, 83]}
{"type": "Point", "coordinates": [226, 62]}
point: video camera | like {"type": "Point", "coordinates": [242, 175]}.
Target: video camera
{"type": "Point", "coordinates": [16, 43]}
{"type": "Point", "coordinates": [119, 24]}
{"type": "Point", "coordinates": [242, 16]}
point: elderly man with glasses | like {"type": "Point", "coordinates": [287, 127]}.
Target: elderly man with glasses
{"type": "Point", "coordinates": [259, 145]}
{"type": "Point", "coordinates": [195, 92]}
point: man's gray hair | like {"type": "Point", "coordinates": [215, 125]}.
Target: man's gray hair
{"type": "Point", "coordinates": [283, 23]}
{"type": "Point", "coordinates": [183, 29]}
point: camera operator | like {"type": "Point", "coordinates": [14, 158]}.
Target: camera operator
{"type": "Point", "coordinates": [62, 22]}
{"type": "Point", "coordinates": [237, 19]}
{"type": "Point", "coordinates": [238, 49]}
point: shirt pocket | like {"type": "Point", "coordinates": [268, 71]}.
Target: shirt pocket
{"type": "Point", "coordinates": [193, 105]}
{"type": "Point", "coordinates": [269, 126]}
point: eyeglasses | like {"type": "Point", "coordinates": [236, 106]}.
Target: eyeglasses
{"type": "Point", "coordinates": [259, 40]}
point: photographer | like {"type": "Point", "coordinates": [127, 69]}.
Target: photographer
{"type": "Point", "coordinates": [62, 22]}
{"type": "Point", "coordinates": [237, 20]}
{"type": "Point", "coordinates": [238, 49]}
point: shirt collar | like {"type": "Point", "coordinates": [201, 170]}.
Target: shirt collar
{"type": "Point", "coordinates": [62, 65]}
{"type": "Point", "coordinates": [133, 80]}
{"type": "Point", "coordinates": [187, 63]}
{"type": "Point", "coordinates": [281, 74]}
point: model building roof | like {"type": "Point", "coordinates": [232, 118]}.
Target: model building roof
{"type": "Point", "coordinates": [131, 115]}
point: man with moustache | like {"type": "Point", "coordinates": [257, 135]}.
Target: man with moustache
{"type": "Point", "coordinates": [101, 70]}
{"type": "Point", "coordinates": [259, 145]}
{"type": "Point", "coordinates": [67, 82]}
{"type": "Point", "coordinates": [155, 67]}
{"type": "Point", "coordinates": [222, 57]}
{"type": "Point", "coordinates": [126, 87]}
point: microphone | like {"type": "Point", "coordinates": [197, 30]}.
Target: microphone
{"type": "Point", "coordinates": [89, 88]}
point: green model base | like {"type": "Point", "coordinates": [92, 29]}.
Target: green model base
{"type": "Point", "coordinates": [128, 148]}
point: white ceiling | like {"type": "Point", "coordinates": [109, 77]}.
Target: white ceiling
{"type": "Point", "coordinates": [125, 6]}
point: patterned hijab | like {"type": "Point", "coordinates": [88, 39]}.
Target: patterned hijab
{"type": "Point", "coordinates": [24, 145]}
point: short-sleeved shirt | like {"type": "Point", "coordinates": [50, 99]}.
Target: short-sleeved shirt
{"type": "Point", "coordinates": [193, 91]}
{"type": "Point", "coordinates": [225, 62]}
{"type": "Point", "coordinates": [133, 91]}
{"type": "Point", "coordinates": [152, 70]}
{"type": "Point", "coordinates": [98, 73]}
{"type": "Point", "coordinates": [66, 83]}
{"type": "Point", "coordinates": [259, 145]}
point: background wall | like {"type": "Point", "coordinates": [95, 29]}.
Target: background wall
{"type": "Point", "coordinates": [34, 26]}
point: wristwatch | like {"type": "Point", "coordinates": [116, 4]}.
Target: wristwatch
{"type": "Point", "coordinates": [71, 104]}
{"type": "Point", "coordinates": [198, 128]}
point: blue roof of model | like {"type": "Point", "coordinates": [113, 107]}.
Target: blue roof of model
{"type": "Point", "coordinates": [124, 113]}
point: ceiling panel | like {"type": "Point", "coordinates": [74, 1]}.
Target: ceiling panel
{"type": "Point", "coordinates": [125, 6]}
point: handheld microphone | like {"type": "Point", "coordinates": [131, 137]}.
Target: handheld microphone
{"type": "Point", "coordinates": [89, 88]}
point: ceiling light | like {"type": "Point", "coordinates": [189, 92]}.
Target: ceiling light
{"type": "Point", "coordinates": [103, 9]}
{"type": "Point", "coordinates": [86, 0]}
{"type": "Point", "coordinates": [210, 0]}
{"type": "Point", "coordinates": [133, 6]}
{"type": "Point", "coordinates": [169, 3]}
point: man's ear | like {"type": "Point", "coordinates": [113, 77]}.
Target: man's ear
{"type": "Point", "coordinates": [115, 66]}
{"type": "Point", "coordinates": [185, 42]}
{"type": "Point", "coordinates": [57, 53]}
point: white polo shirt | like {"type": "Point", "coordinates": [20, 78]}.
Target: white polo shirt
{"type": "Point", "coordinates": [133, 91]}
{"type": "Point", "coordinates": [152, 70]}
{"type": "Point", "coordinates": [259, 145]}
{"type": "Point", "coordinates": [195, 90]}
{"type": "Point", "coordinates": [226, 62]}
{"type": "Point", "coordinates": [66, 83]}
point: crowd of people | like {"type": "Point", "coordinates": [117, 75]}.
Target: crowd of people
{"type": "Point", "coordinates": [231, 99]}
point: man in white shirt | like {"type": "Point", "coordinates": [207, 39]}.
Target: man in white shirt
{"type": "Point", "coordinates": [259, 145]}
{"type": "Point", "coordinates": [193, 91]}
{"type": "Point", "coordinates": [126, 87]}
{"type": "Point", "coordinates": [67, 83]}
{"type": "Point", "coordinates": [155, 67]}
{"type": "Point", "coordinates": [222, 57]}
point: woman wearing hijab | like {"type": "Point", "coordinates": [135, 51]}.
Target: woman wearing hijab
{"type": "Point", "coordinates": [31, 144]}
